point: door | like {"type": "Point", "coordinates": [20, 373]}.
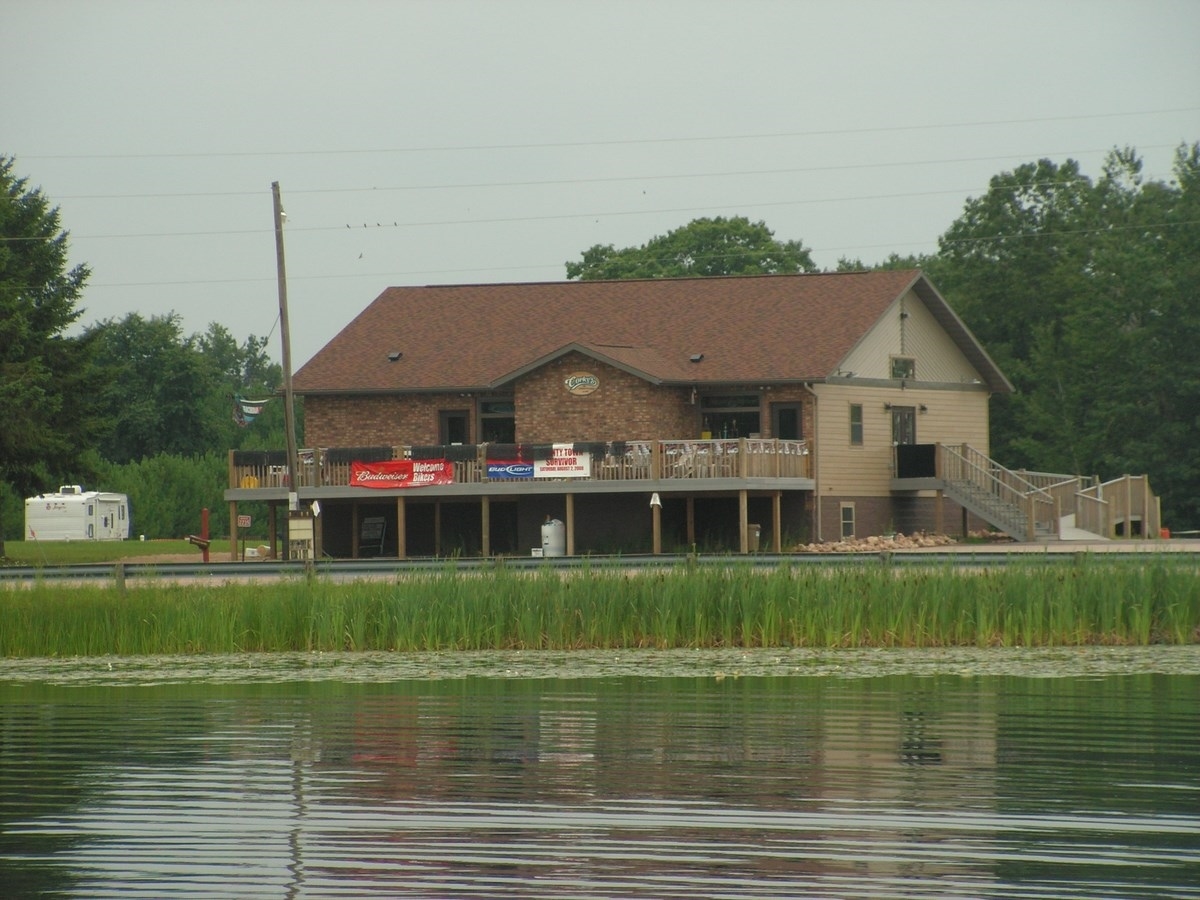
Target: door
{"type": "Point", "coordinates": [904, 425]}
{"type": "Point", "coordinates": [452, 426]}
{"type": "Point", "coordinates": [786, 423]}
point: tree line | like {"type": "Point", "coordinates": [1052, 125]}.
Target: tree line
{"type": "Point", "coordinates": [1086, 292]}
{"type": "Point", "coordinates": [132, 405]}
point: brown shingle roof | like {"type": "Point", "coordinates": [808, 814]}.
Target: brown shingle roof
{"type": "Point", "coordinates": [760, 328]}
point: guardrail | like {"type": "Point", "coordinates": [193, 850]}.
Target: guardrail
{"type": "Point", "coordinates": [121, 574]}
{"type": "Point", "coordinates": [608, 461]}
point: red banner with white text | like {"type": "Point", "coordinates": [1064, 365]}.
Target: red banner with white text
{"type": "Point", "coordinates": [401, 473]}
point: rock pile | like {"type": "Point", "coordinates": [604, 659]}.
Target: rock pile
{"type": "Point", "coordinates": [878, 544]}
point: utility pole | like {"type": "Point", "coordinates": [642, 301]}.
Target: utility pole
{"type": "Point", "coordinates": [289, 415]}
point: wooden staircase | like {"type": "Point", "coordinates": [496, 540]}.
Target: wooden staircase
{"type": "Point", "coordinates": [1031, 506]}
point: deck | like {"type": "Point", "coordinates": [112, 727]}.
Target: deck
{"type": "Point", "coordinates": [613, 465]}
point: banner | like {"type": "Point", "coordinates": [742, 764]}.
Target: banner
{"type": "Point", "coordinates": [509, 470]}
{"type": "Point", "coordinates": [401, 473]}
{"type": "Point", "coordinates": [564, 462]}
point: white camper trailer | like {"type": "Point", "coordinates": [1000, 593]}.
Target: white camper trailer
{"type": "Point", "coordinates": [74, 514]}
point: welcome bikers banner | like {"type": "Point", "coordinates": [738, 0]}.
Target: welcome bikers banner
{"type": "Point", "coordinates": [401, 473]}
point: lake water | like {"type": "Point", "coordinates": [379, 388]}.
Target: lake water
{"type": "Point", "coordinates": [874, 774]}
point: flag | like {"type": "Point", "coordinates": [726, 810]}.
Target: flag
{"type": "Point", "coordinates": [244, 411]}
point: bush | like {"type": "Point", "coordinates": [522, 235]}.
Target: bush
{"type": "Point", "coordinates": [167, 493]}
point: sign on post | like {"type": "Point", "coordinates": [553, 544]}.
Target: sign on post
{"type": "Point", "coordinates": [243, 522]}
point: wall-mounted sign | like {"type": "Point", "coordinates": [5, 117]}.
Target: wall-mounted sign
{"type": "Point", "coordinates": [581, 383]}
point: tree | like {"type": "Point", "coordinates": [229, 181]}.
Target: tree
{"type": "Point", "coordinates": [156, 387]}
{"type": "Point", "coordinates": [704, 247]}
{"type": "Point", "coordinates": [45, 376]}
{"type": "Point", "coordinates": [242, 371]}
{"type": "Point", "coordinates": [893, 261]}
{"type": "Point", "coordinates": [1085, 293]}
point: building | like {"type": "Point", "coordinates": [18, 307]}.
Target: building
{"type": "Point", "coordinates": [641, 415]}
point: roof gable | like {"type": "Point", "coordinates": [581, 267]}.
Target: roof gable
{"type": "Point", "coordinates": [769, 328]}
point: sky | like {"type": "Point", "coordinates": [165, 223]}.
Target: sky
{"type": "Point", "coordinates": [456, 142]}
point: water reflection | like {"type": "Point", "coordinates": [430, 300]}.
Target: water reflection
{"type": "Point", "coordinates": [609, 786]}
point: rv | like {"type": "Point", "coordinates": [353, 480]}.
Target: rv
{"type": "Point", "coordinates": [74, 514]}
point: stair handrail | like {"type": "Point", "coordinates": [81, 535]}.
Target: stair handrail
{"type": "Point", "coordinates": [1036, 505]}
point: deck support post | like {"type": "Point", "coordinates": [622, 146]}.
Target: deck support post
{"type": "Point", "coordinates": [355, 534]}
{"type": "Point", "coordinates": [485, 512]}
{"type": "Point", "coordinates": [656, 528]}
{"type": "Point", "coordinates": [570, 498]}
{"type": "Point", "coordinates": [777, 522]}
{"type": "Point", "coordinates": [401, 530]}
{"type": "Point", "coordinates": [233, 531]}
{"type": "Point", "coordinates": [1128, 508]}
{"type": "Point", "coordinates": [743, 520]}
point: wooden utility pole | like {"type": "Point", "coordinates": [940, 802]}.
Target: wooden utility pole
{"type": "Point", "coordinates": [289, 414]}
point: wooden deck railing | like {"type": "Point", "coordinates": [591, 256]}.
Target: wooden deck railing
{"type": "Point", "coordinates": [1125, 507]}
{"type": "Point", "coordinates": [610, 461]}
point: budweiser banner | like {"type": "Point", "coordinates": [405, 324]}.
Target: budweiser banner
{"type": "Point", "coordinates": [401, 473]}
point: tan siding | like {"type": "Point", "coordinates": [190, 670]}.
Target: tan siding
{"type": "Point", "coordinates": [938, 359]}
{"type": "Point", "coordinates": [845, 469]}
{"type": "Point", "coordinates": [870, 357]}
{"type": "Point", "coordinates": [917, 335]}
{"type": "Point", "coordinates": [952, 417]}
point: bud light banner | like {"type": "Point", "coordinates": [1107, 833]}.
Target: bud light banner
{"type": "Point", "coordinates": [508, 470]}
{"type": "Point", "coordinates": [401, 473]}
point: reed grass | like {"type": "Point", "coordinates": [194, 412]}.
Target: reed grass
{"type": "Point", "coordinates": [736, 606]}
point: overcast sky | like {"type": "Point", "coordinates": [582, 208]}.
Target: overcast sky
{"type": "Point", "coordinates": [451, 142]}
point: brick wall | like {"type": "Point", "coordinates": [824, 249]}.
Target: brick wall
{"type": "Point", "coordinates": [788, 394]}
{"type": "Point", "coordinates": [366, 421]}
{"type": "Point", "coordinates": [905, 514]}
{"type": "Point", "coordinates": [623, 407]}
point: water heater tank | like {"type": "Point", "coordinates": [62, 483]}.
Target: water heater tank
{"type": "Point", "coordinates": [554, 538]}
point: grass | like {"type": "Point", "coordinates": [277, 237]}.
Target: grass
{"type": "Point", "coordinates": [1092, 602]}
{"type": "Point", "coordinates": [64, 553]}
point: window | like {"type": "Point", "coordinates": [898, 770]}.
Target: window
{"type": "Point", "coordinates": [904, 367]}
{"type": "Point", "coordinates": [847, 520]}
{"type": "Point", "coordinates": [497, 422]}
{"type": "Point", "coordinates": [856, 425]}
{"type": "Point", "coordinates": [731, 415]}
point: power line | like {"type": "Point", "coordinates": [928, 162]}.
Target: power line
{"type": "Point", "coordinates": [888, 129]}
{"type": "Point", "coordinates": [997, 238]}
{"type": "Point", "coordinates": [673, 176]}
{"type": "Point", "coordinates": [495, 220]}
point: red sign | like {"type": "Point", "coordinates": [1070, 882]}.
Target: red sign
{"type": "Point", "coordinates": [243, 521]}
{"type": "Point", "coordinates": [401, 473]}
